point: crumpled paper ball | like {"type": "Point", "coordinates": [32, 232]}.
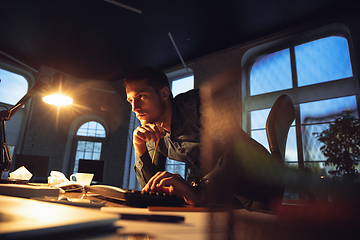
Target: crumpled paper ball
{"type": "Point", "coordinates": [21, 173]}
{"type": "Point", "coordinates": [56, 178]}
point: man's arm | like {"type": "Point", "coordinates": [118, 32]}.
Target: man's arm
{"type": "Point", "coordinates": [145, 169]}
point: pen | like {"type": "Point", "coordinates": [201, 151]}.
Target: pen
{"type": "Point", "coordinates": [157, 143]}
{"type": "Point", "coordinates": [152, 217]}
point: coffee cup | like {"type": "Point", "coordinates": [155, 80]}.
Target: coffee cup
{"type": "Point", "coordinates": [82, 178]}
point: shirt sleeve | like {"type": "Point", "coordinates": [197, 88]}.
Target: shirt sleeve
{"type": "Point", "coordinates": [145, 169]}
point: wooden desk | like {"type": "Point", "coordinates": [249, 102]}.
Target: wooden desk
{"type": "Point", "coordinates": [296, 221]}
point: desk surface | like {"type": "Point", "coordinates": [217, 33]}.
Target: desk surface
{"type": "Point", "coordinates": [194, 226]}
{"type": "Point", "coordinates": [295, 222]}
{"type": "Point", "coordinates": [22, 218]}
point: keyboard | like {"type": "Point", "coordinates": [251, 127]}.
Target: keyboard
{"type": "Point", "coordinates": [135, 198]}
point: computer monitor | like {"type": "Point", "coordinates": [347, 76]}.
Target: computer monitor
{"type": "Point", "coordinates": [37, 165]}
{"type": "Point", "coordinates": [92, 166]}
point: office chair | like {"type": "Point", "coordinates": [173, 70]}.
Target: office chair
{"type": "Point", "coordinates": [278, 123]}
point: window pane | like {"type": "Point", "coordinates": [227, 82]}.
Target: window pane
{"type": "Point", "coordinates": [97, 147]}
{"type": "Point", "coordinates": [79, 155]}
{"type": "Point", "coordinates": [261, 137]}
{"type": "Point", "coordinates": [311, 146]}
{"type": "Point", "coordinates": [100, 133]}
{"type": "Point", "coordinates": [322, 60]}
{"type": "Point", "coordinates": [320, 111]}
{"type": "Point", "coordinates": [89, 146]}
{"type": "Point", "coordinates": [83, 130]}
{"type": "Point", "coordinates": [81, 146]}
{"type": "Point", "coordinates": [92, 125]}
{"type": "Point", "coordinates": [96, 156]}
{"type": "Point", "coordinates": [88, 155]}
{"type": "Point", "coordinates": [12, 87]}
{"type": "Point", "coordinates": [316, 116]}
{"type": "Point", "coordinates": [258, 118]}
{"type": "Point", "coordinates": [291, 149]}
{"type": "Point", "coordinates": [90, 150]}
{"type": "Point", "coordinates": [291, 153]}
{"type": "Point", "coordinates": [179, 86]}
{"type": "Point", "coordinates": [182, 85]}
{"type": "Point", "coordinates": [91, 132]}
{"type": "Point", "coordinates": [271, 72]}
{"type": "Point", "coordinates": [91, 129]}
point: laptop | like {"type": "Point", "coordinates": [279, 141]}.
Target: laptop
{"type": "Point", "coordinates": [22, 218]}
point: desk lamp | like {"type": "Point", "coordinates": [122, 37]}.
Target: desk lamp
{"type": "Point", "coordinates": [53, 95]}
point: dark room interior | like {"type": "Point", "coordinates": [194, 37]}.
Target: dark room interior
{"type": "Point", "coordinates": [243, 55]}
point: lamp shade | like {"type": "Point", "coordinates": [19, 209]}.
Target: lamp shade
{"type": "Point", "coordinates": [56, 95]}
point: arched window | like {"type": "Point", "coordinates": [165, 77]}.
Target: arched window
{"type": "Point", "coordinates": [89, 141]}
{"type": "Point", "coordinates": [318, 75]}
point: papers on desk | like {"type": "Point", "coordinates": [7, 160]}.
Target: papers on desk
{"type": "Point", "coordinates": [25, 218]}
{"type": "Point", "coordinates": [28, 191]}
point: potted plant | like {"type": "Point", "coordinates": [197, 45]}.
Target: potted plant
{"type": "Point", "coordinates": [342, 146]}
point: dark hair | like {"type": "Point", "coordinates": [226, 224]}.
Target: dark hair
{"type": "Point", "coordinates": [156, 78]}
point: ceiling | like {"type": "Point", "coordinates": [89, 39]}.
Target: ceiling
{"type": "Point", "coordinates": [97, 39]}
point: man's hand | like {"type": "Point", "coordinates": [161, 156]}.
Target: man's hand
{"type": "Point", "coordinates": [166, 182]}
{"type": "Point", "coordinates": [147, 132]}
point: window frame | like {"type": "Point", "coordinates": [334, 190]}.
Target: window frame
{"type": "Point", "coordinates": [174, 76]}
{"type": "Point", "coordinates": [24, 112]}
{"type": "Point", "coordinates": [78, 138]}
{"type": "Point", "coordinates": [321, 91]}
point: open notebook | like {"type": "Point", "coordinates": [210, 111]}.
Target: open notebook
{"type": "Point", "coordinates": [22, 218]}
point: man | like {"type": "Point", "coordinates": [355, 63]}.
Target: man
{"type": "Point", "coordinates": [149, 94]}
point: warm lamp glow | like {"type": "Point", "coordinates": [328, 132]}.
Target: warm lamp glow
{"type": "Point", "coordinates": [57, 99]}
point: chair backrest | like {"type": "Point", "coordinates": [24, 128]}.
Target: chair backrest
{"type": "Point", "coordinates": [278, 123]}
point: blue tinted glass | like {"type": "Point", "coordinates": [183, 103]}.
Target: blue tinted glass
{"type": "Point", "coordinates": [182, 85]}
{"type": "Point", "coordinates": [91, 129]}
{"type": "Point", "coordinates": [311, 146]}
{"type": "Point", "coordinates": [92, 125]}
{"type": "Point", "coordinates": [316, 117]}
{"type": "Point", "coordinates": [258, 118]}
{"type": "Point", "coordinates": [291, 146]}
{"type": "Point", "coordinates": [89, 147]}
{"type": "Point", "coordinates": [97, 147]}
{"type": "Point", "coordinates": [322, 60]}
{"type": "Point", "coordinates": [261, 137]}
{"type": "Point", "coordinates": [88, 155]}
{"type": "Point", "coordinates": [271, 72]}
{"type": "Point", "coordinates": [320, 111]}
{"type": "Point", "coordinates": [179, 86]}
{"type": "Point", "coordinates": [12, 87]}
{"type": "Point", "coordinates": [81, 146]}
{"type": "Point", "coordinates": [91, 132]}
{"type": "Point", "coordinates": [96, 156]}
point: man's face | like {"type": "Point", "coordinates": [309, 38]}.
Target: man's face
{"type": "Point", "coordinates": [145, 101]}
